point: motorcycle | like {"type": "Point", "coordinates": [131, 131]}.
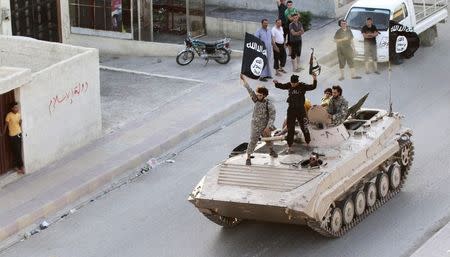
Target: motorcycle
{"type": "Point", "coordinates": [219, 51]}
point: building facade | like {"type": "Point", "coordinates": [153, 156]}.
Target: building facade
{"type": "Point", "coordinates": [58, 89]}
{"type": "Point", "coordinates": [143, 20]}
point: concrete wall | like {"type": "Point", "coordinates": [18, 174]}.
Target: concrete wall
{"type": "Point", "coordinates": [30, 54]}
{"type": "Point", "coordinates": [323, 8]}
{"type": "Point", "coordinates": [5, 18]}
{"type": "Point", "coordinates": [61, 105]}
{"type": "Point", "coordinates": [230, 28]}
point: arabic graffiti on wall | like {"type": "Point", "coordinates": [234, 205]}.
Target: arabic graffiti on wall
{"type": "Point", "coordinates": [68, 97]}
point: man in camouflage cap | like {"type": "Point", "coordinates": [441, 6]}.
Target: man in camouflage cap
{"type": "Point", "coordinates": [262, 119]}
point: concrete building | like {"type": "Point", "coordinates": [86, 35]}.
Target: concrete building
{"type": "Point", "coordinates": [58, 89]}
{"type": "Point", "coordinates": [321, 8]}
{"type": "Point", "coordinates": [126, 26]}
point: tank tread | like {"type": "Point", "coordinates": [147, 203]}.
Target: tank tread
{"type": "Point", "coordinates": [326, 230]}
{"type": "Point", "coordinates": [226, 222]}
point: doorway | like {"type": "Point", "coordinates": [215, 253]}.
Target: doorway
{"type": "Point", "coordinates": [38, 19]}
{"type": "Point", "coordinates": [6, 161]}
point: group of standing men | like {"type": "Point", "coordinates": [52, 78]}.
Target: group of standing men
{"type": "Point", "coordinates": [346, 49]}
{"type": "Point", "coordinates": [288, 31]}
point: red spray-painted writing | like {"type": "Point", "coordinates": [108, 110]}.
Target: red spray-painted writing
{"type": "Point", "coordinates": [67, 97]}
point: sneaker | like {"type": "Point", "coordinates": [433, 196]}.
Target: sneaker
{"type": "Point", "coordinates": [248, 162]}
{"type": "Point", "coordinates": [376, 72]}
{"type": "Point", "coordinates": [356, 77]}
{"type": "Point", "coordinates": [262, 79]}
{"type": "Point", "coordinates": [282, 70]}
{"type": "Point", "coordinates": [341, 78]}
{"type": "Point", "coordinates": [273, 153]}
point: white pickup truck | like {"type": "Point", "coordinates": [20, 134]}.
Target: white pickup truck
{"type": "Point", "coordinates": [421, 15]}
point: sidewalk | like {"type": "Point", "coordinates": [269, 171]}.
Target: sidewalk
{"type": "Point", "coordinates": [438, 245]}
{"type": "Point", "coordinates": [39, 195]}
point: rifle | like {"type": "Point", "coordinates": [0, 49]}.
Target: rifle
{"type": "Point", "coordinates": [314, 69]}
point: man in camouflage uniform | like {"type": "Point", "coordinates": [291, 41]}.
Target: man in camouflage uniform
{"type": "Point", "coordinates": [262, 119]}
{"type": "Point", "coordinates": [338, 107]}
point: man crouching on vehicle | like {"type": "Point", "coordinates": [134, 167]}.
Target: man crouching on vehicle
{"type": "Point", "coordinates": [262, 119]}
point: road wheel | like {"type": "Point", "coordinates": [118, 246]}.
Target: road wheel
{"type": "Point", "coordinates": [382, 185]}
{"type": "Point", "coordinates": [360, 202]}
{"type": "Point", "coordinates": [395, 175]}
{"type": "Point", "coordinates": [349, 211]}
{"type": "Point", "coordinates": [336, 220]}
{"type": "Point", "coordinates": [185, 57]}
{"type": "Point", "coordinates": [222, 56]}
{"type": "Point", "coordinates": [371, 194]}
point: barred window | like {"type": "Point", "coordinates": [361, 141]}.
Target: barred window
{"type": "Point", "coordinates": [108, 15]}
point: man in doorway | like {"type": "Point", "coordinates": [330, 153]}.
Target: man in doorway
{"type": "Point", "coordinates": [262, 120]}
{"type": "Point", "coordinates": [296, 107]}
{"type": "Point", "coordinates": [13, 125]}
{"type": "Point", "coordinates": [279, 53]}
{"type": "Point", "coordinates": [345, 49]}
{"type": "Point", "coordinates": [338, 106]}
{"type": "Point", "coordinates": [370, 33]}
{"type": "Point", "coordinates": [296, 32]}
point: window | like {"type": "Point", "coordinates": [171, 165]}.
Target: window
{"type": "Point", "coordinates": [399, 13]}
{"type": "Point", "coordinates": [107, 15]}
{"type": "Point", "coordinates": [357, 16]}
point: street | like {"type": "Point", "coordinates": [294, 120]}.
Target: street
{"type": "Point", "coordinates": [152, 217]}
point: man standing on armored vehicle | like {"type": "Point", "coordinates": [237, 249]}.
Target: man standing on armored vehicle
{"type": "Point", "coordinates": [338, 106]}
{"type": "Point", "coordinates": [262, 119]}
{"type": "Point", "coordinates": [296, 108]}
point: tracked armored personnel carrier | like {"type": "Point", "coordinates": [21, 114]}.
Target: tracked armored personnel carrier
{"type": "Point", "coordinates": [347, 172]}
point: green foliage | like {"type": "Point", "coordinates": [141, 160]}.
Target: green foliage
{"type": "Point", "coordinates": [305, 19]}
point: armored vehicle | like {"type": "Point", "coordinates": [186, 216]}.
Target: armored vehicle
{"type": "Point", "coordinates": [347, 172]}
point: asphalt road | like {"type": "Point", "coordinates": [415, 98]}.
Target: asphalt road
{"type": "Point", "coordinates": [151, 217]}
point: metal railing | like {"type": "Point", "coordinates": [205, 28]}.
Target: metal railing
{"type": "Point", "coordinates": [427, 8]}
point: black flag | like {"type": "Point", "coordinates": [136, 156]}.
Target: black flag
{"type": "Point", "coordinates": [254, 58]}
{"type": "Point", "coordinates": [403, 41]}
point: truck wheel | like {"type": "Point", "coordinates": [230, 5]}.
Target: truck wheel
{"type": "Point", "coordinates": [428, 37]}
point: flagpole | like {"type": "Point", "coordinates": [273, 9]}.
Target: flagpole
{"type": "Point", "coordinates": [390, 89]}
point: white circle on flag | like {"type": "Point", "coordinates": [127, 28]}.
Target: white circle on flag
{"type": "Point", "coordinates": [401, 45]}
{"type": "Point", "coordinates": [257, 66]}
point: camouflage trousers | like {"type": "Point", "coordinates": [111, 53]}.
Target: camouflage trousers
{"type": "Point", "coordinates": [255, 134]}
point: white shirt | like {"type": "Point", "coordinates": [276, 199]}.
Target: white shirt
{"type": "Point", "coordinates": [278, 35]}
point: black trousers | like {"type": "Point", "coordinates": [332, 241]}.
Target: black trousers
{"type": "Point", "coordinates": [292, 116]}
{"type": "Point", "coordinates": [279, 57]}
{"type": "Point", "coordinates": [16, 145]}
{"type": "Point", "coordinates": [296, 49]}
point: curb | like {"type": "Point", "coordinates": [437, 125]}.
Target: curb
{"type": "Point", "coordinates": [138, 156]}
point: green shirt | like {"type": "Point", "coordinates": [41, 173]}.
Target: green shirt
{"type": "Point", "coordinates": [289, 12]}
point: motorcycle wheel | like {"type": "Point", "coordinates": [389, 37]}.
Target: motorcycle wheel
{"type": "Point", "coordinates": [185, 57]}
{"type": "Point", "coordinates": [223, 56]}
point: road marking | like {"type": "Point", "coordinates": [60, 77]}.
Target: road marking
{"type": "Point", "coordinates": [148, 74]}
